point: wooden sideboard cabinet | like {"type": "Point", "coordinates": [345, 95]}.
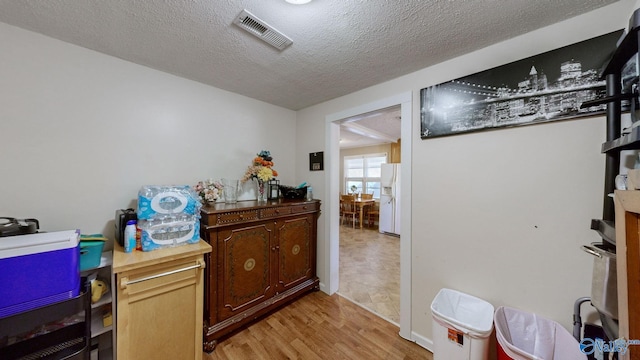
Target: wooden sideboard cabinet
{"type": "Point", "coordinates": [263, 256]}
{"type": "Point", "coordinates": [159, 302]}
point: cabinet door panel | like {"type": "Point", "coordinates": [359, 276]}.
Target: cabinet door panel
{"type": "Point", "coordinates": [244, 273]}
{"type": "Point", "coordinates": [295, 251]}
{"type": "Point", "coordinates": [159, 311]}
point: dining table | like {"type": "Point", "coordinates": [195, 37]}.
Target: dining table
{"type": "Point", "coordinates": [362, 204]}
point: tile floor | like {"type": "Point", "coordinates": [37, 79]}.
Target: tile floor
{"type": "Point", "coordinates": [370, 270]}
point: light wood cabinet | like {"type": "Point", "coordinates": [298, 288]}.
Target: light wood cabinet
{"type": "Point", "coordinates": [395, 155]}
{"type": "Point", "coordinates": [627, 206]}
{"type": "Point", "coordinates": [159, 302]}
{"type": "Point", "coordinates": [263, 255]}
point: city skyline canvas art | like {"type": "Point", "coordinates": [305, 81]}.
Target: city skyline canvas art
{"type": "Point", "coordinates": [547, 87]}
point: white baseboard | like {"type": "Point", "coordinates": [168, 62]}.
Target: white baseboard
{"type": "Point", "coordinates": [422, 341]}
{"type": "Point", "coordinates": [323, 288]}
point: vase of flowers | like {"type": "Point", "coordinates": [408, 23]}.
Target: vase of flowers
{"type": "Point", "coordinates": [209, 190]}
{"type": "Point", "coordinates": [260, 171]}
{"type": "Point", "coordinates": [260, 194]}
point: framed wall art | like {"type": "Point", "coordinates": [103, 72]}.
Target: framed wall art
{"type": "Point", "coordinates": [316, 161]}
{"type": "Point", "coordinates": [547, 87]}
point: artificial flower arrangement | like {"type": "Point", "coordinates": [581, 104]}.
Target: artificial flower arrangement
{"type": "Point", "coordinates": [209, 190]}
{"type": "Point", "coordinates": [261, 168]}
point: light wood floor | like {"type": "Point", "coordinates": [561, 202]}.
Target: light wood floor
{"type": "Point", "coordinates": [370, 270]}
{"type": "Point", "coordinates": [319, 326]}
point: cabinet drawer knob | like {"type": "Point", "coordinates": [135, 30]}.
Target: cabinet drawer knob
{"type": "Point", "coordinates": [124, 282]}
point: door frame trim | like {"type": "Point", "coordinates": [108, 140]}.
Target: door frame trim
{"type": "Point", "coordinates": [332, 182]}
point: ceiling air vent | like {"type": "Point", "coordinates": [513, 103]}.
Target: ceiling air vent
{"type": "Point", "coordinates": [262, 30]}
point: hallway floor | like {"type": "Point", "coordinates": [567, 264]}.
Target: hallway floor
{"type": "Point", "coordinates": [370, 270]}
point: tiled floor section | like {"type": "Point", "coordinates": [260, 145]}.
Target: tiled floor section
{"type": "Point", "coordinates": [370, 270]}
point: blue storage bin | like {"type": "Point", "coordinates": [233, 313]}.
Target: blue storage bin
{"type": "Point", "coordinates": [90, 254]}
{"type": "Point", "coordinates": [38, 270]}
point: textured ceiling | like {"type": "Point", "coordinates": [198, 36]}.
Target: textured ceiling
{"type": "Point", "coordinates": [339, 46]}
{"type": "Point", "coordinates": [374, 128]}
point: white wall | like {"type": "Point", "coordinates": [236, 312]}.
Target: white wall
{"type": "Point", "coordinates": [81, 132]}
{"type": "Point", "coordinates": [496, 214]}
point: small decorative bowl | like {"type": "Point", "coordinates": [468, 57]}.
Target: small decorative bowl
{"type": "Point", "coordinates": [290, 192]}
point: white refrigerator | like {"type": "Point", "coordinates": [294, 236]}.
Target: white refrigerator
{"type": "Point", "coordinates": [390, 199]}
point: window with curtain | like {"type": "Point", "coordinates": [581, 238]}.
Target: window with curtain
{"type": "Point", "coordinates": [362, 173]}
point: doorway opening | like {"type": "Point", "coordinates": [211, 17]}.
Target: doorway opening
{"type": "Point", "coordinates": [369, 264]}
{"type": "Point", "coordinates": [332, 249]}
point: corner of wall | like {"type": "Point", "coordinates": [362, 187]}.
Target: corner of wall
{"type": "Point", "coordinates": [422, 341]}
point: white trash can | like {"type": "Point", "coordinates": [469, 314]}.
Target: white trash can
{"type": "Point", "coordinates": [462, 326]}
{"type": "Point", "coordinates": [526, 336]}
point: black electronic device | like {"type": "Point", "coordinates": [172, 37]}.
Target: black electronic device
{"type": "Point", "coordinates": [122, 216]}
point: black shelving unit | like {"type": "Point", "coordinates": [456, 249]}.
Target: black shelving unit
{"type": "Point", "coordinates": [58, 342]}
{"type": "Point", "coordinates": [630, 141]}
{"type": "Point", "coordinates": [616, 140]}
{"type": "Point", "coordinates": [606, 229]}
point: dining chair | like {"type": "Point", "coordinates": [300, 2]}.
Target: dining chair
{"type": "Point", "coordinates": [366, 208]}
{"type": "Point", "coordinates": [348, 208]}
{"type": "Point", "coordinates": [373, 214]}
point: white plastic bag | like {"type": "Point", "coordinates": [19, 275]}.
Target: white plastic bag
{"type": "Point", "coordinates": [464, 312]}
{"type": "Point", "coordinates": [527, 336]}
{"type": "Point", "coordinates": [462, 326]}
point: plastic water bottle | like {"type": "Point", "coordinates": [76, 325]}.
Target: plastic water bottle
{"type": "Point", "coordinates": [309, 193]}
{"type": "Point", "coordinates": [130, 236]}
